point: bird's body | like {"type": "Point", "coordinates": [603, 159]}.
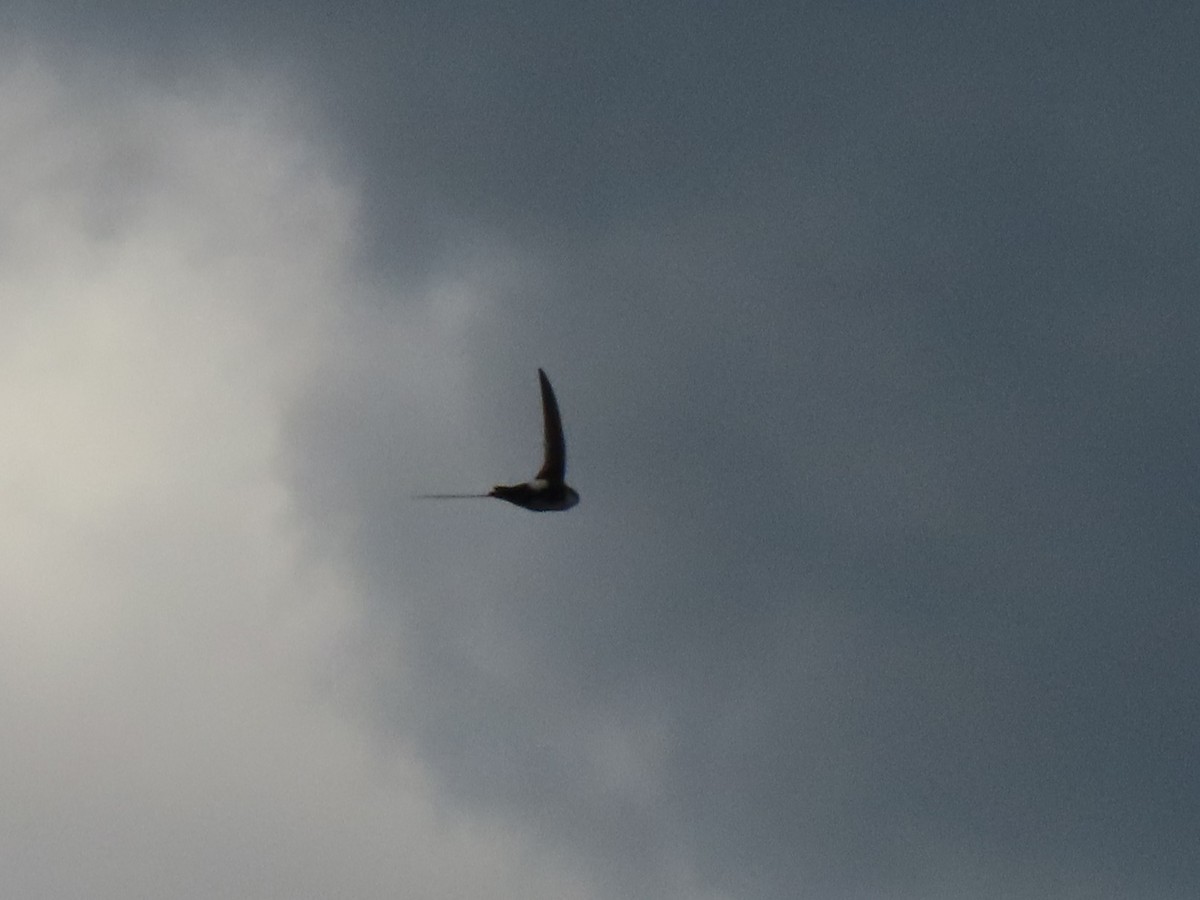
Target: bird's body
{"type": "Point", "coordinates": [547, 491]}
{"type": "Point", "coordinates": [538, 495]}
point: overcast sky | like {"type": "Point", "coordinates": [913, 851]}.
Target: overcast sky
{"type": "Point", "coordinates": [876, 337]}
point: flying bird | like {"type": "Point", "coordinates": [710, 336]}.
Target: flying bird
{"type": "Point", "coordinates": [547, 491]}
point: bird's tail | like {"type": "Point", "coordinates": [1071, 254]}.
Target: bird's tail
{"type": "Point", "coordinates": [449, 496]}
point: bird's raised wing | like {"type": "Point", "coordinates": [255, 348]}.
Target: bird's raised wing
{"type": "Point", "coordinates": [554, 466]}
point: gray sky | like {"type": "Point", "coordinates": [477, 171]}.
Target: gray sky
{"type": "Point", "coordinates": [874, 329]}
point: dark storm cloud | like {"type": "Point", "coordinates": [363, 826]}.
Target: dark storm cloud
{"type": "Point", "coordinates": [884, 395]}
{"type": "Point", "coordinates": [874, 331]}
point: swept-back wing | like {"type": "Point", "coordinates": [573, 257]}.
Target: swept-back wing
{"type": "Point", "coordinates": [554, 466]}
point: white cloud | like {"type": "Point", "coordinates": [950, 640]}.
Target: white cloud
{"type": "Point", "coordinates": [169, 658]}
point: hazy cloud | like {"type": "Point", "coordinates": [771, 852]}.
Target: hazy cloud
{"type": "Point", "coordinates": [178, 706]}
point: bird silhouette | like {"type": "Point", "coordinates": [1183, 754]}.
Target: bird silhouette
{"type": "Point", "coordinates": [547, 491]}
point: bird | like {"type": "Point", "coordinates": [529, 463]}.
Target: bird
{"type": "Point", "coordinates": [547, 491]}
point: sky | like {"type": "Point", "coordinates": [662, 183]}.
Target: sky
{"type": "Point", "coordinates": [874, 331]}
